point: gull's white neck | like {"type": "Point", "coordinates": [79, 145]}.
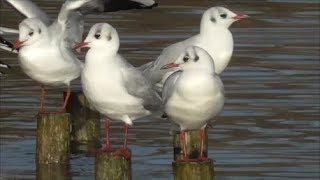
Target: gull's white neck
{"type": "Point", "coordinates": [218, 42]}
{"type": "Point", "coordinates": [96, 56]}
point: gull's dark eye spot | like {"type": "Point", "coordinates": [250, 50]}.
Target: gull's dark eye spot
{"type": "Point", "coordinates": [39, 31]}
{"type": "Point", "coordinates": [109, 37]}
{"type": "Point", "coordinates": [223, 16]}
{"type": "Point", "coordinates": [97, 36]}
{"type": "Point", "coordinates": [31, 33]}
{"type": "Point", "coordinates": [196, 59]}
{"type": "Point", "coordinates": [186, 58]}
{"type": "Point", "coordinates": [213, 19]}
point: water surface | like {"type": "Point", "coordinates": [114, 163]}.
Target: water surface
{"type": "Point", "coordinates": [269, 128]}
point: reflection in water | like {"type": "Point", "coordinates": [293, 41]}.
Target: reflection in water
{"type": "Point", "coordinates": [53, 172]}
{"type": "Point", "coordinates": [269, 128]}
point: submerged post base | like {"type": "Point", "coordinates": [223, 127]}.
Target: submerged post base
{"type": "Point", "coordinates": [53, 171]}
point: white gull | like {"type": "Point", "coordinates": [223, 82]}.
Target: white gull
{"type": "Point", "coordinates": [214, 37]}
{"type": "Point", "coordinates": [194, 94]}
{"type": "Point", "coordinates": [113, 86]}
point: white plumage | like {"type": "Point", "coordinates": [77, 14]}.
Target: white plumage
{"type": "Point", "coordinates": [193, 95]}
{"type": "Point", "coordinates": [214, 37]}
{"type": "Point", "coordinates": [45, 52]}
{"type": "Point", "coordinates": [113, 86]}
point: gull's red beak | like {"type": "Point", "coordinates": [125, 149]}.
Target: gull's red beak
{"type": "Point", "coordinates": [169, 66]}
{"type": "Point", "coordinates": [17, 45]}
{"type": "Point", "coordinates": [81, 45]}
{"type": "Point", "coordinates": [240, 16]}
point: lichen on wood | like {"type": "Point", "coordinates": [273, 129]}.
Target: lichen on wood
{"type": "Point", "coordinates": [53, 138]}
{"type": "Point", "coordinates": [203, 170]}
{"type": "Point", "coordinates": [112, 167]}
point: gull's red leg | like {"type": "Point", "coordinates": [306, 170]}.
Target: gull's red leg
{"type": "Point", "coordinates": [125, 144]}
{"type": "Point", "coordinates": [203, 136]}
{"type": "Point", "coordinates": [124, 151]}
{"type": "Point", "coordinates": [107, 148]}
{"type": "Point", "coordinates": [63, 109]}
{"type": "Point", "coordinates": [184, 143]}
{"type": "Point", "coordinates": [108, 144]}
{"type": "Point", "coordinates": [42, 95]}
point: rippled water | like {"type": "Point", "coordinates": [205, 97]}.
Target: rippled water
{"type": "Point", "coordinates": [269, 128]}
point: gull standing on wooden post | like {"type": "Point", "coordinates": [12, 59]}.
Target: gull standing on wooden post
{"type": "Point", "coordinates": [113, 86]}
{"type": "Point", "coordinates": [194, 94]}
{"type": "Point", "coordinates": [45, 51]}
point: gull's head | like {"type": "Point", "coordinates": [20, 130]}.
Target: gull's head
{"type": "Point", "coordinates": [31, 31]}
{"type": "Point", "coordinates": [193, 58]}
{"type": "Point", "coordinates": [101, 36]}
{"type": "Point", "coordinates": [221, 16]}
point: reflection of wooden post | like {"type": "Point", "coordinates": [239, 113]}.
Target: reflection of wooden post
{"type": "Point", "coordinates": [85, 123]}
{"type": "Point", "coordinates": [53, 171]}
{"type": "Point", "coordinates": [109, 166]}
{"type": "Point", "coordinates": [193, 139]}
{"type": "Point", "coordinates": [191, 170]}
{"type": "Point", "coordinates": [53, 138]}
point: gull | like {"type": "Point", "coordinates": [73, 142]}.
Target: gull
{"type": "Point", "coordinates": [113, 86]}
{"type": "Point", "coordinates": [194, 94]}
{"type": "Point", "coordinates": [31, 10]}
{"type": "Point", "coordinates": [45, 51]}
{"type": "Point", "coordinates": [214, 37]}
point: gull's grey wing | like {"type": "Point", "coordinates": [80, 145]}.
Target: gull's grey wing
{"type": "Point", "coordinates": [138, 86]}
{"type": "Point", "coordinates": [5, 44]}
{"type": "Point", "coordinates": [168, 55]}
{"type": "Point", "coordinates": [3, 65]}
{"type": "Point", "coordinates": [168, 86]}
{"type": "Point", "coordinates": [30, 10]}
{"type": "Point", "coordinates": [69, 24]}
{"type": "Point", "coordinates": [5, 30]}
{"type": "Point", "coordinates": [153, 70]}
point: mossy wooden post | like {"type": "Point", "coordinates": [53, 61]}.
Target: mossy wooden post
{"type": "Point", "coordinates": [53, 138]}
{"type": "Point", "coordinates": [203, 170]}
{"type": "Point", "coordinates": [191, 170]}
{"type": "Point", "coordinates": [85, 133]}
{"type": "Point", "coordinates": [111, 167]}
{"type": "Point", "coordinates": [53, 146]}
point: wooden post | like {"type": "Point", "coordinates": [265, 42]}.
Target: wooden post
{"type": "Point", "coordinates": [53, 138]}
{"type": "Point", "coordinates": [85, 124]}
{"type": "Point", "coordinates": [193, 139]}
{"type": "Point", "coordinates": [53, 171]}
{"type": "Point", "coordinates": [192, 169]}
{"type": "Point", "coordinates": [111, 167]}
